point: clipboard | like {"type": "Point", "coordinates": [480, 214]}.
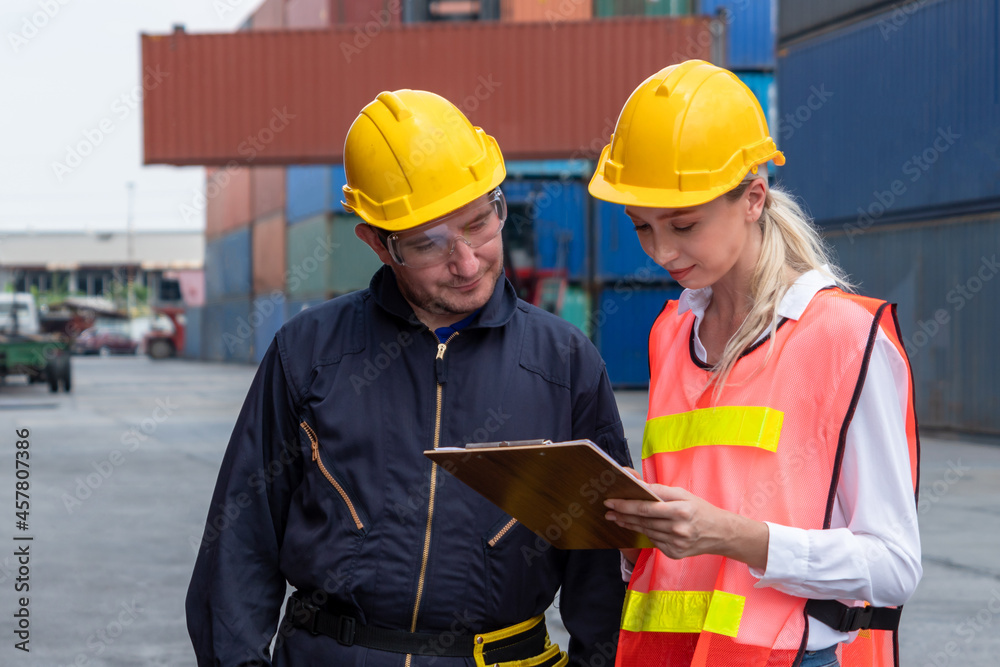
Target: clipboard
{"type": "Point", "coordinates": [556, 489]}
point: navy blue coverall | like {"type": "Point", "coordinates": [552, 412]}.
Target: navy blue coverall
{"type": "Point", "coordinates": [324, 484]}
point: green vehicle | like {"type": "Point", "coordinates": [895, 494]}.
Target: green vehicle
{"type": "Point", "coordinates": [26, 351]}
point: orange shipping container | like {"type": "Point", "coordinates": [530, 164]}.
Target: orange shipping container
{"type": "Point", "coordinates": [267, 190]}
{"type": "Point", "coordinates": [234, 190]}
{"type": "Point", "coordinates": [269, 254]}
{"type": "Point", "coordinates": [545, 92]}
{"type": "Point", "coordinates": [549, 11]}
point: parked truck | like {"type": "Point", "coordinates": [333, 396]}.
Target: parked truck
{"type": "Point", "coordinates": [42, 357]}
{"type": "Point", "coordinates": [166, 341]}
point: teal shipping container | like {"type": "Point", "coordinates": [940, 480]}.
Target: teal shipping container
{"type": "Point", "coordinates": [325, 257]}
{"type": "Point", "coordinates": [609, 8]}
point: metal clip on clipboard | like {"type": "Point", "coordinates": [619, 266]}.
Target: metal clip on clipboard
{"type": "Point", "coordinates": [507, 443]}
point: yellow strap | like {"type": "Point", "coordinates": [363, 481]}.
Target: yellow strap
{"type": "Point", "coordinates": [483, 639]}
{"type": "Point", "coordinates": [683, 611]}
{"type": "Point", "coordinates": [738, 425]}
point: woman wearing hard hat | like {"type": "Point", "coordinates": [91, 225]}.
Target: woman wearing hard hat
{"type": "Point", "coordinates": [780, 435]}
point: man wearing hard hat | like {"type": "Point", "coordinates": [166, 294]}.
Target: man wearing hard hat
{"type": "Point", "coordinates": [324, 485]}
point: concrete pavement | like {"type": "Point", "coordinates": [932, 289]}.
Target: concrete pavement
{"type": "Point", "coordinates": [122, 469]}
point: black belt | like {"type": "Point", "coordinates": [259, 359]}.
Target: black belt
{"type": "Point", "coordinates": [850, 619]}
{"type": "Point", "coordinates": [349, 632]}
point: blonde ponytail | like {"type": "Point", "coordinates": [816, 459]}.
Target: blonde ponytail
{"type": "Point", "coordinates": [791, 246]}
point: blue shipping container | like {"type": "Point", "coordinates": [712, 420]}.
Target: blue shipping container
{"type": "Point", "coordinates": [622, 318]}
{"type": "Point", "coordinates": [266, 317]}
{"type": "Point", "coordinates": [192, 333]}
{"type": "Point", "coordinates": [904, 125]}
{"type": "Point", "coordinates": [619, 255]}
{"type": "Point", "coordinates": [237, 332]}
{"type": "Point", "coordinates": [312, 190]}
{"type": "Point", "coordinates": [750, 31]}
{"type": "Point", "coordinates": [227, 332]}
{"type": "Point", "coordinates": [212, 316]}
{"type": "Point", "coordinates": [558, 212]}
{"type": "Point", "coordinates": [943, 275]}
{"type": "Point", "coordinates": [227, 265]}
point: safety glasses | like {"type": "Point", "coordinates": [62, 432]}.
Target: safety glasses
{"type": "Point", "coordinates": [434, 242]}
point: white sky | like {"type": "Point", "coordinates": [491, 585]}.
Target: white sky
{"type": "Point", "coordinates": [61, 78]}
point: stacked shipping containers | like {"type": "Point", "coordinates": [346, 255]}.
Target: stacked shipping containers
{"type": "Point", "coordinates": [901, 103]}
{"type": "Point", "coordinates": [244, 250]}
{"type": "Point", "coordinates": [228, 280]}
{"type": "Point", "coordinates": [628, 288]}
{"type": "Point", "coordinates": [301, 248]}
{"type": "Point", "coordinates": [325, 258]}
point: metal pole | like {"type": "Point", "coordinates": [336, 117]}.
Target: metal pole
{"type": "Point", "coordinates": [130, 251]}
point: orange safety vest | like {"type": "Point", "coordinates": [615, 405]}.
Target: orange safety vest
{"type": "Point", "coordinates": [771, 450]}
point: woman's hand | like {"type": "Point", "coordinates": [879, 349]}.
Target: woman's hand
{"type": "Point", "coordinates": [685, 525]}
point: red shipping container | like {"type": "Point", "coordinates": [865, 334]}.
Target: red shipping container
{"type": "Point", "coordinates": [551, 12]}
{"type": "Point", "coordinates": [545, 92]}
{"type": "Point", "coordinates": [269, 254]}
{"type": "Point", "coordinates": [267, 191]}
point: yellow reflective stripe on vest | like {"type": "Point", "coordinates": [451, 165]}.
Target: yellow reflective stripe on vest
{"type": "Point", "coordinates": [683, 611]}
{"type": "Point", "coordinates": [740, 425]}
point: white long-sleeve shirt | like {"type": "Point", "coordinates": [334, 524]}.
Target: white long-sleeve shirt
{"type": "Point", "coordinates": [872, 549]}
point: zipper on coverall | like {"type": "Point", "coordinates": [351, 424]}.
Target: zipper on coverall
{"type": "Point", "coordinates": [439, 376]}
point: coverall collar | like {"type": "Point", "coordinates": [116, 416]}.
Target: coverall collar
{"type": "Point", "coordinates": [496, 313]}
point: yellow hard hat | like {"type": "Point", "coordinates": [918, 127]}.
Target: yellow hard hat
{"type": "Point", "coordinates": [687, 134]}
{"type": "Point", "coordinates": [412, 156]}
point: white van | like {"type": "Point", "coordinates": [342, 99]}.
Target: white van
{"type": "Point", "coordinates": [23, 304]}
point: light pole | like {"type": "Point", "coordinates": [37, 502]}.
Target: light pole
{"type": "Point", "coordinates": [130, 252]}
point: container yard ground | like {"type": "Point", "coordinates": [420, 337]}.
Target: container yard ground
{"type": "Point", "coordinates": [122, 470]}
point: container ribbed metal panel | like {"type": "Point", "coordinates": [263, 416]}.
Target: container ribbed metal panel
{"type": "Point", "coordinates": [556, 213]}
{"type": "Point", "coordinates": [326, 258]}
{"type": "Point", "coordinates": [617, 250]}
{"type": "Point", "coordinates": [192, 332]}
{"type": "Point", "coordinates": [266, 317]}
{"type": "Point", "coordinates": [797, 18]}
{"type": "Point", "coordinates": [289, 97]}
{"type": "Point", "coordinates": [227, 266]}
{"type": "Point", "coordinates": [945, 277]}
{"type": "Point", "coordinates": [750, 31]}
{"type": "Point", "coordinates": [622, 317]}
{"type": "Point", "coordinates": [313, 190]}
{"type": "Point", "coordinates": [894, 123]}
{"type": "Point", "coordinates": [227, 334]}
{"type": "Point", "coordinates": [606, 8]}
